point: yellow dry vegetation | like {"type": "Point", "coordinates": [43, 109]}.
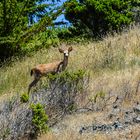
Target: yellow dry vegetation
{"type": "Point", "coordinates": [113, 63]}
{"type": "Point", "coordinates": [113, 55]}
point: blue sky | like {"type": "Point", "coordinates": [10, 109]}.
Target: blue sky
{"type": "Point", "coordinates": [61, 17]}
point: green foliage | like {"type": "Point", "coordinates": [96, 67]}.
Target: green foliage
{"type": "Point", "coordinates": [42, 40]}
{"type": "Point", "coordinates": [98, 95]}
{"type": "Point", "coordinates": [72, 32]}
{"type": "Point", "coordinates": [17, 25]}
{"type": "Point", "coordinates": [5, 133]}
{"type": "Point", "coordinates": [67, 87]}
{"type": "Point", "coordinates": [39, 119]}
{"type": "Point", "coordinates": [100, 16]}
{"type": "Point", "coordinates": [72, 107]}
{"type": "Point", "coordinates": [67, 76]}
{"type": "Point", "coordinates": [69, 79]}
{"type": "Point", "coordinates": [24, 98]}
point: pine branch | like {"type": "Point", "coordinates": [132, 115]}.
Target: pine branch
{"type": "Point", "coordinates": [20, 13]}
{"type": "Point", "coordinates": [61, 23]}
{"type": "Point", "coordinates": [41, 26]}
{"type": "Point", "coordinates": [37, 8]}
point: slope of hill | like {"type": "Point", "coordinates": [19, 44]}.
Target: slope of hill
{"type": "Point", "coordinates": [110, 106]}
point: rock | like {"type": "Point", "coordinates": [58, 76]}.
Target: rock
{"type": "Point", "coordinates": [117, 125]}
{"type": "Point", "coordinates": [81, 130]}
{"type": "Point", "coordinates": [83, 110]}
{"type": "Point", "coordinates": [136, 120]}
{"type": "Point", "coordinates": [115, 106]}
{"type": "Point", "coordinates": [128, 117]}
{"type": "Point", "coordinates": [102, 127]}
{"type": "Point", "coordinates": [115, 111]}
{"type": "Point", "coordinates": [94, 127]}
{"type": "Point", "coordinates": [137, 109]}
{"type": "Point", "coordinates": [86, 129]}
{"type": "Point", "coordinates": [110, 116]}
{"type": "Point", "coordinates": [99, 128]}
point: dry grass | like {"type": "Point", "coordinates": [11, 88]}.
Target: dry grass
{"type": "Point", "coordinates": [115, 69]}
{"type": "Point", "coordinates": [70, 130]}
{"type": "Point", "coordinates": [132, 134]}
{"type": "Point", "coordinates": [122, 83]}
{"type": "Point", "coordinates": [114, 66]}
{"type": "Point", "coordinates": [70, 135]}
{"type": "Point", "coordinates": [113, 54]}
{"type": "Point", "coordinates": [69, 127]}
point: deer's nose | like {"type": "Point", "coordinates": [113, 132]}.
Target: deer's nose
{"type": "Point", "coordinates": [66, 54]}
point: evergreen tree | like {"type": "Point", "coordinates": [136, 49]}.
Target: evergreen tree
{"type": "Point", "coordinates": [17, 22]}
{"type": "Point", "coordinates": [101, 16]}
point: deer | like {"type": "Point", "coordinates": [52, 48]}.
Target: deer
{"type": "Point", "coordinates": [50, 68]}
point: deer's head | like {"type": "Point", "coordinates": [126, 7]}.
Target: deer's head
{"type": "Point", "coordinates": [66, 51]}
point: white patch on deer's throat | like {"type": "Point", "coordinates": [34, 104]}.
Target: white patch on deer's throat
{"type": "Point", "coordinates": [66, 53]}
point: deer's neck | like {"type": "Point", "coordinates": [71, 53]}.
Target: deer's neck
{"type": "Point", "coordinates": [65, 62]}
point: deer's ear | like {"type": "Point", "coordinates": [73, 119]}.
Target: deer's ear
{"type": "Point", "coordinates": [60, 50]}
{"type": "Point", "coordinates": [70, 49]}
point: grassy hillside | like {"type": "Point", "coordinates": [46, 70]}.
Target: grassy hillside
{"type": "Point", "coordinates": [114, 64]}
{"type": "Point", "coordinates": [113, 54]}
{"type": "Point", "coordinates": [112, 93]}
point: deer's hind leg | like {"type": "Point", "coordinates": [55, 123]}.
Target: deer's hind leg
{"type": "Point", "coordinates": [34, 82]}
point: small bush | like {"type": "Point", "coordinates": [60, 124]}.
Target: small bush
{"type": "Point", "coordinates": [24, 98]}
{"type": "Point", "coordinates": [62, 96]}
{"type": "Point", "coordinates": [67, 89]}
{"type": "Point", "coordinates": [69, 79]}
{"type": "Point", "coordinates": [39, 119]}
{"type": "Point", "coordinates": [100, 94]}
{"type": "Point", "coordinates": [4, 134]}
{"type": "Point", "coordinates": [68, 76]}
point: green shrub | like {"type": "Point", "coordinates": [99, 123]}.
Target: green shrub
{"type": "Point", "coordinates": [24, 98]}
{"type": "Point", "coordinates": [4, 134]}
{"type": "Point", "coordinates": [69, 78]}
{"type": "Point", "coordinates": [39, 119]}
{"type": "Point", "coordinates": [100, 16]}
{"type": "Point", "coordinates": [68, 75]}
{"type": "Point", "coordinates": [67, 87]}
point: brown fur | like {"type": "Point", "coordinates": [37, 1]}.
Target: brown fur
{"type": "Point", "coordinates": [53, 68]}
{"type": "Point", "coordinates": [47, 68]}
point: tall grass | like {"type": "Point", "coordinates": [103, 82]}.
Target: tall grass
{"type": "Point", "coordinates": [114, 53]}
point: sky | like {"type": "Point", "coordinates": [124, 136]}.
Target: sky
{"type": "Point", "coordinates": [61, 17]}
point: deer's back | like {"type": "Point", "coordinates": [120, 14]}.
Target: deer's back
{"type": "Point", "coordinates": [48, 68]}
